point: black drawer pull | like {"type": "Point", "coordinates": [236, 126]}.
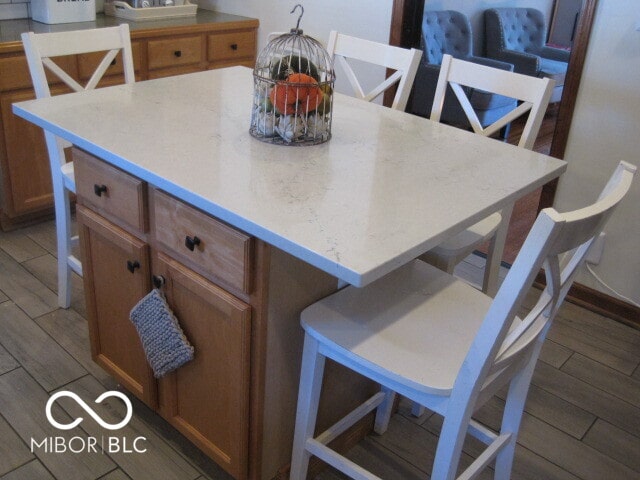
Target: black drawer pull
{"type": "Point", "coordinates": [178, 53]}
{"type": "Point", "coordinates": [99, 189]}
{"type": "Point", "coordinates": [158, 281]}
{"type": "Point", "coordinates": [132, 265]}
{"type": "Point", "coordinates": [191, 242]}
{"type": "Point", "coordinates": [234, 46]}
{"type": "Point", "coordinates": [113, 62]}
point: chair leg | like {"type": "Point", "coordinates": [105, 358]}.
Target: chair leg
{"type": "Point", "coordinates": [63, 234]}
{"type": "Point", "coordinates": [384, 411]}
{"type": "Point", "coordinates": [307, 410]}
{"type": "Point", "coordinates": [512, 416]}
{"type": "Point", "coordinates": [494, 255]}
{"type": "Point", "coordinates": [417, 410]}
{"type": "Point", "coordinates": [449, 450]}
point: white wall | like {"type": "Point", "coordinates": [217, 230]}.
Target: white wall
{"type": "Point", "coordinates": [606, 129]}
{"type": "Point", "coordinates": [354, 17]}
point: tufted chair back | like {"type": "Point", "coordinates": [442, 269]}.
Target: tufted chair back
{"type": "Point", "coordinates": [521, 29]}
{"type": "Point", "coordinates": [447, 32]}
{"type": "Point", "coordinates": [517, 36]}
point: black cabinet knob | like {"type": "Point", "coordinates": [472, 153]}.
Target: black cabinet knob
{"type": "Point", "coordinates": [158, 281]}
{"type": "Point", "coordinates": [178, 53]}
{"type": "Point", "coordinates": [132, 265]}
{"type": "Point", "coordinates": [99, 189]}
{"type": "Point", "coordinates": [191, 242]}
{"type": "Point", "coordinates": [234, 46]}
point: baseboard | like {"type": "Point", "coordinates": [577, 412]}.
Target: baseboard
{"type": "Point", "coordinates": [600, 303]}
{"type": "Point", "coordinates": [604, 304]}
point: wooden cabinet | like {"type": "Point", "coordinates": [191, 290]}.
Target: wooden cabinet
{"type": "Point", "coordinates": [116, 266]}
{"type": "Point", "coordinates": [178, 46]}
{"type": "Point", "coordinates": [124, 253]}
{"type": "Point", "coordinates": [208, 398]}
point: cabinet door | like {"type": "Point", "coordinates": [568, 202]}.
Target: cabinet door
{"type": "Point", "coordinates": [26, 174]}
{"type": "Point", "coordinates": [207, 399]}
{"type": "Point", "coordinates": [116, 276]}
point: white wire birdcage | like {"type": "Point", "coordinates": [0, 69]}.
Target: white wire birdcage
{"type": "Point", "coordinates": [293, 91]}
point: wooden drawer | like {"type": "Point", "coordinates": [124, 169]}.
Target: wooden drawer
{"type": "Point", "coordinates": [88, 62]}
{"type": "Point", "coordinates": [231, 46]}
{"type": "Point", "coordinates": [173, 52]}
{"type": "Point", "coordinates": [204, 244]}
{"type": "Point", "coordinates": [116, 195]}
{"type": "Point", "coordinates": [14, 71]}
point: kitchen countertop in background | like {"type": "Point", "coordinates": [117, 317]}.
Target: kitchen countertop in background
{"type": "Point", "coordinates": [10, 30]}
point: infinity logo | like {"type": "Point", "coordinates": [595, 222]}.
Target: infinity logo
{"type": "Point", "coordinates": [89, 410]}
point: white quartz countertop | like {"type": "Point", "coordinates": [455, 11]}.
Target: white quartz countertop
{"type": "Point", "coordinates": [387, 187]}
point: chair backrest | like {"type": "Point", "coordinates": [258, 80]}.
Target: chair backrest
{"type": "Point", "coordinates": [41, 48]}
{"type": "Point", "coordinates": [519, 29]}
{"type": "Point", "coordinates": [559, 242]}
{"type": "Point", "coordinates": [532, 93]}
{"type": "Point", "coordinates": [404, 61]}
{"type": "Point", "coordinates": [445, 32]}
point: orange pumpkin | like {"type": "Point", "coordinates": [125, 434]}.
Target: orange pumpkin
{"type": "Point", "coordinates": [294, 94]}
{"type": "Point", "coordinates": [284, 98]}
{"type": "Point", "coordinates": [313, 99]}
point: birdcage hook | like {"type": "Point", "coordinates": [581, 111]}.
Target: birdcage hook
{"type": "Point", "coordinates": [297, 29]}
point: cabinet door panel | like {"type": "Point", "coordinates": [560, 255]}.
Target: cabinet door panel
{"type": "Point", "coordinates": [116, 277]}
{"type": "Point", "coordinates": [26, 173]}
{"type": "Point", "coordinates": [207, 399]}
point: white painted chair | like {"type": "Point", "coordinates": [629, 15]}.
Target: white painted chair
{"type": "Point", "coordinates": [40, 49]}
{"type": "Point", "coordinates": [533, 95]}
{"type": "Point", "coordinates": [404, 61]}
{"type": "Point", "coordinates": [442, 343]}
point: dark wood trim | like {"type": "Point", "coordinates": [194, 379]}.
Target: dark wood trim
{"type": "Point", "coordinates": [599, 302]}
{"type": "Point", "coordinates": [604, 304]}
{"type": "Point", "coordinates": [395, 38]}
{"type": "Point", "coordinates": [570, 94]}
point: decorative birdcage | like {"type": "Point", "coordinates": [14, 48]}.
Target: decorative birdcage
{"type": "Point", "coordinates": [293, 90]}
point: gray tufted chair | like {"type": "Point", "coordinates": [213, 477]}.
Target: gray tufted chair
{"type": "Point", "coordinates": [449, 32]}
{"type": "Point", "coordinates": [518, 36]}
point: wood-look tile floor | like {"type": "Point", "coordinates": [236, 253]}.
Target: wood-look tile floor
{"type": "Point", "coordinates": [582, 417]}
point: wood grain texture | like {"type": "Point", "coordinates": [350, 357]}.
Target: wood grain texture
{"type": "Point", "coordinates": [13, 451]}
{"type": "Point", "coordinates": [22, 402]}
{"type": "Point", "coordinates": [35, 350]}
{"type": "Point", "coordinates": [223, 254]}
{"type": "Point", "coordinates": [33, 470]}
{"type": "Point", "coordinates": [124, 202]}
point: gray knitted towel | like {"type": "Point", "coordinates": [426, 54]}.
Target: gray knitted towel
{"type": "Point", "coordinates": [163, 341]}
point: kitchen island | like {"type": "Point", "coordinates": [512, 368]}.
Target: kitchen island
{"type": "Point", "coordinates": [241, 235]}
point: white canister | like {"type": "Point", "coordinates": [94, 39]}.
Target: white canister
{"type": "Point", "coordinates": [63, 11]}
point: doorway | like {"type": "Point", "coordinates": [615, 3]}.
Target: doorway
{"type": "Point", "coordinates": [405, 32]}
